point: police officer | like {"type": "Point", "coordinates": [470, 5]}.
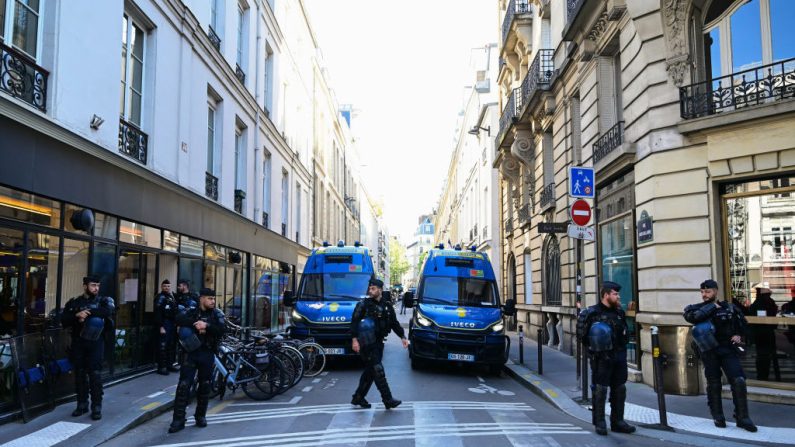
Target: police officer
{"type": "Point", "coordinates": [200, 333]}
{"type": "Point", "coordinates": [88, 315]}
{"type": "Point", "coordinates": [717, 334]}
{"type": "Point", "coordinates": [165, 311]}
{"type": "Point", "coordinates": [372, 321]}
{"type": "Point", "coordinates": [603, 329]}
{"type": "Point", "coordinates": [185, 298]}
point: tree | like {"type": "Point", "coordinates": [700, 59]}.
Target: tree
{"type": "Point", "coordinates": [398, 264]}
{"type": "Point", "coordinates": [419, 263]}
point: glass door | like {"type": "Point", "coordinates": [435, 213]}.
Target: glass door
{"type": "Point", "coordinates": [134, 341]}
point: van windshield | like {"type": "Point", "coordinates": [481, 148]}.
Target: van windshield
{"type": "Point", "coordinates": [334, 286]}
{"type": "Point", "coordinates": [455, 291]}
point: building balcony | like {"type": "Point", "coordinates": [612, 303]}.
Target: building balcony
{"type": "Point", "coordinates": [214, 39]}
{"type": "Point", "coordinates": [509, 227]}
{"type": "Point", "coordinates": [284, 229]}
{"type": "Point", "coordinates": [547, 197]}
{"type": "Point", "coordinates": [755, 86]}
{"type": "Point", "coordinates": [514, 7]}
{"type": "Point", "coordinates": [240, 201]}
{"type": "Point", "coordinates": [132, 141]}
{"type": "Point", "coordinates": [538, 76]}
{"type": "Point", "coordinates": [524, 214]}
{"type": "Point", "coordinates": [265, 219]}
{"type": "Point", "coordinates": [509, 115]}
{"type": "Point", "coordinates": [578, 13]}
{"type": "Point", "coordinates": [211, 186]}
{"type": "Point", "coordinates": [240, 74]}
{"type": "Point", "coordinates": [21, 78]}
{"type": "Point", "coordinates": [611, 147]}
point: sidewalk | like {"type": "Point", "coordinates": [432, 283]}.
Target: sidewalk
{"type": "Point", "coordinates": [688, 415]}
{"type": "Point", "coordinates": [124, 406]}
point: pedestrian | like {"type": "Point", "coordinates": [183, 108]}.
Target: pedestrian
{"type": "Point", "coordinates": [717, 335]}
{"type": "Point", "coordinates": [89, 315]}
{"type": "Point", "coordinates": [165, 312]}
{"type": "Point", "coordinates": [764, 334]}
{"type": "Point", "coordinates": [201, 330]}
{"type": "Point", "coordinates": [603, 329]}
{"type": "Point", "coordinates": [372, 321]}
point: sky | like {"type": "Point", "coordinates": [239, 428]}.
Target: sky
{"type": "Point", "coordinates": [403, 65]}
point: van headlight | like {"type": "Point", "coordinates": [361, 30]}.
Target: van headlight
{"type": "Point", "coordinates": [296, 316]}
{"type": "Point", "coordinates": [422, 321]}
{"type": "Point", "coordinates": [498, 327]}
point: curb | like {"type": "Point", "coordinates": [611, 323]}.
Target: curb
{"type": "Point", "coordinates": [557, 397]}
{"type": "Point", "coordinates": [144, 417]}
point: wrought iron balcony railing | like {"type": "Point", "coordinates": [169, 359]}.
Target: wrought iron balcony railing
{"type": "Point", "coordinates": [538, 76]}
{"type": "Point", "coordinates": [240, 200]}
{"type": "Point", "coordinates": [514, 7]}
{"type": "Point", "coordinates": [241, 75]}
{"type": "Point", "coordinates": [547, 196]}
{"type": "Point", "coordinates": [132, 141]}
{"type": "Point", "coordinates": [524, 214]}
{"type": "Point", "coordinates": [214, 39]}
{"type": "Point", "coordinates": [509, 113]}
{"type": "Point", "coordinates": [265, 219]}
{"type": "Point", "coordinates": [21, 78]}
{"type": "Point", "coordinates": [509, 226]}
{"type": "Point", "coordinates": [746, 88]}
{"type": "Point", "coordinates": [284, 229]}
{"type": "Point", "coordinates": [211, 186]}
{"type": "Point", "coordinates": [612, 139]}
{"type": "Point", "coordinates": [485, 231]}
{"type": "Point", "coordinates": [572, 8]}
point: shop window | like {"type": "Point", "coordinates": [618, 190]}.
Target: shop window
{"type": "Point", "coordinates": [11, 259]}
{"type": "Point", "coordinates": [190, 246]}
{"type": "Point", "coordinates": [24, 207]}
{"type": "Point", "coordinates": [75, 266]}
{"type": "Point", "coordinates": [190, 269]}
{"type": "Point", "coordinates": [103, 264]}
{"type": "Point", "coordinates": [105, 226]}
{"type": "Point", "coordinates": [41, 281]}
{"type": "Point", "coordinates": [214, 252]}
{"type": "Point", "coordinates": [170, 241]}
{"type": "Point", "coordinates": [135, 233]}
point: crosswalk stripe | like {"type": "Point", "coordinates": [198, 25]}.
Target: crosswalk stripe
{"type": "Point", "coordinates": [331, 436]}
{"type": "Point", "coordinates": [426, 416]}
{"type": "Point", "coordinates": [355, 420]}
{"type": "Point", "coordinates": [47, 436]}
{"type": "Point", "coordinates": [503, 417]}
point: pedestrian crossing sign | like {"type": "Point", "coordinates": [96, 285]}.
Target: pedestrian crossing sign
{"type": "Point", "coordinates": [581, 182]}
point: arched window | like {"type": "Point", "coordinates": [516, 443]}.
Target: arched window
{"type": "Point", "coordinates": [550, 271]}
{"type": "Point", "coordinates": [744, 34]}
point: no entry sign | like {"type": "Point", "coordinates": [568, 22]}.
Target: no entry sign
{"type": "Point", "coordinates": [580, 212]}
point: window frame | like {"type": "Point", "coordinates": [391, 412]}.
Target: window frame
{"type": "Point", "coordinates": [126, 103]}
{"type": "Point", "coordinates": [7, 28]}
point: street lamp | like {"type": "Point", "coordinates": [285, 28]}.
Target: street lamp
{"type": "Point", "coordinates": [476, 130]}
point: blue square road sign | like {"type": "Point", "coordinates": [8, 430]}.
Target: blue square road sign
{"type": "Point", "coordinates": [581, 182]}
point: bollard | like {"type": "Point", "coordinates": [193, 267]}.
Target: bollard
{"type": "Point", "coordinates": [658, 377]}
{"type": "Point", "coordinates": [540, 356]}
{"type": "Point", "coordinates": [521, 345]}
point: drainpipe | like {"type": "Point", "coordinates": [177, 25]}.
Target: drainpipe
{"type": "Point", "coordinates": [257, 152]}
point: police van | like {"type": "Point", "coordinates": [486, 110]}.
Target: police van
{"type": "Point", "coordinates": [334, 280]}
{"type": "Point", "coordinates": [457, 314]}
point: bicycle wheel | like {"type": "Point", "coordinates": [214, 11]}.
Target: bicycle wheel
{"type": "Point", "coordinates": [314, 358]}
{"type": "Point", "coordinates": [217, 384]}
{"type": "Point", "coordinates": [269, 384]}
{"type": "Point", "coordinates": [297, 360]}
{"type": "Point", "coordinates": [290, 370]}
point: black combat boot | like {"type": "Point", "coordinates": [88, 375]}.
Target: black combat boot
{"type": "Point", "coordinates": [598, 409]}
{"type": "Point", "coordinates": [715, 403]}
{"type": "Point", "coordinates": [383, 387]}
{"type": "Point", "coordinates": [740, 395]}
{"type": "Point", "coordinates": [95, 386]}
{"type": "Point", "coordinates": [360, 401]}
{"type": "Point", "coordinates": [171, 356]}
{"type": "Point", "coordinates": [365, 381]}
{"type": "Point", "coordinates": [618, 395]}
{"type": "Point", "coordinates": [81, 389]}
{"type": "Point", "coordinates": [180, 405]}
{"type": "Point", "coordinates": [202, 399]}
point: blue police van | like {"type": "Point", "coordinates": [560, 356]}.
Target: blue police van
{"type": "Point", "coordinates": [457, 314]}
{"type": "Point", "coordinates": [333, 281]}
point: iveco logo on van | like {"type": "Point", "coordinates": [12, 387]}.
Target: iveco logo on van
{"type": "Point", "coordinates": [462, 324]}
{"type": "Point", "coordinates": [332, 318]}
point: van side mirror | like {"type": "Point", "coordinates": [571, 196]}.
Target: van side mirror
{"type": "Point", "coordinates": [288, 298]}
{"type": "Point", "coordinates": [408, 299]}
{"type": "Point", "coordinates": [509, 308]}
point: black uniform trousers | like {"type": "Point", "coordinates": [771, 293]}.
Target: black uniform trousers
{"type": "Point", "coordinates": [199, 361]}
{"type": "Point", "coordinates": [166, 342]}
{"type": "Point", "coordinates": [723, 357]}
{"type": "Point", "coordinates": [373, 369]}
{"type": "Point", "coordinates": [86, 357]}
{"type": "Point", "coordinates": [609, 369]}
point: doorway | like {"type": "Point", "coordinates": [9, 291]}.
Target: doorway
{"type": "Point", "coordinates": [134, 343]}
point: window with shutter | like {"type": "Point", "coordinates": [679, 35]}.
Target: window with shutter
{"type": "Point", "coordinates": [607, 98]}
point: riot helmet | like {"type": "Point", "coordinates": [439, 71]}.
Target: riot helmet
{"type": "Point", "coordinates": [600, 337]}
{"type": "Point", "coordinates": [92, 328]}
{"type": "Point", "coordinates": [704, 336]}
{"type": "Point", "coordinates": [367, 332]}
{"type": "Point", "coordinates": [188, 339]}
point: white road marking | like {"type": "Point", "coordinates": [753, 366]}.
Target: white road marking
{"type": "Point", "coordinates": [47, 436]}
{"type": "Point", "coordinates": [355, 420]}
{"type": "Point", "coordinates": [483, 389]}
{"type": "Point", "coordinates": [156, 394]}
{"type": "Point", "coordinates": [426, 416]}
{"type": "Point", "coordinates": [480, 379]}
{"type": "Point", "coordinates": [388, 433]}
{"type": "Point", "coordinates": [316, 380]}
{"type": "Point", "coordinates": [504, 417]}
{"type": "Point", "coordinates": [292, 401]}
{"type": "Point", "coordinates": [324, 373]}
{"type": "Point", "coordinates": [306, 389]}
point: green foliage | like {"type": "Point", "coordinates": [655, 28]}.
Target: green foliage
{"type": "Point", "coordinates": [398, 264]}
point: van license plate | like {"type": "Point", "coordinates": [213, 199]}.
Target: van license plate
{"type": "Point", "coordinates": [334, 351]}
{"type": "Point", "coordinates": [461, 357]}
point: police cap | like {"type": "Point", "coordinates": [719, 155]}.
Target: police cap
{"type": "Point", "coordinates": [376, 282]}
{"type": "Point", "coordinates": [90, 278]}
{"type": "Point", "coordinates": [709, 284]}
{"type": "Point", "coordinates": [205, 291]}
{"type": "Point", "coordinates": [611, 286]}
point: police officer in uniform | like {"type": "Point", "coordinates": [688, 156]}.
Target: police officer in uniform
{"type": "Point", "coordinates": [88, 315]}
{"type": "Point", "coordinates": [717, 335]}
{"type": "Point", "coordinates": [200, 333]}
{"type": "Point", "coordinates": [372, 321]}
{"type": "Point", "coordinates": [165, 311]}
{"type": "Point", "coordinates": [603, 329]}
{"type": "Point", "coordinates": [185, 298]}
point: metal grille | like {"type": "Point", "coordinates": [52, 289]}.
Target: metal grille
{"type": "Point", "coordinates": [508, 116]}
{"type": "Point", "coordinates": [551, 272]}
{"type": "Point", "coordinates": [241, 75]}
{"type": "Point", "coordinates": [572, 8]}
{"type": "Point", "coordinates": [612, 139]}
{"type": "Point", "coordinates": [746, 88]}
{"type": "Point", "coordinates": [538, 76]}
{"type": "Point", "coordinates": [514, 7]}
{"type": "Point", "coordinates": [547, 196]}
{"type": "Point", "coordinates": [265, 219]}
{"type": "Point", "coordinates": [132, 141]}
{"type": "Point", "coordinates": [22, 78]}
{"type": "Point", "coordinates": [211, 186]}
{"type": "Point", "coordinates": [214, 39]}
{"type": "Point", "coordinates": [240, 201]}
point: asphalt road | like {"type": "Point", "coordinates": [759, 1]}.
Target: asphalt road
{"type": "Point", "coordinates": [456, 405]}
